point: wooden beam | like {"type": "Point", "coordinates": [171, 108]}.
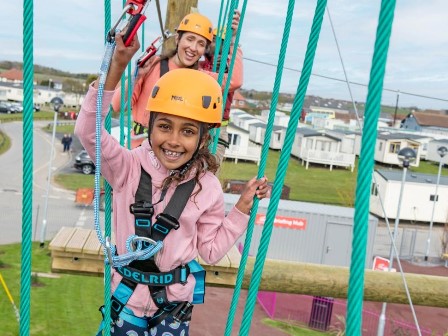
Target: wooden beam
{"type": "Point", "coordinates": [175, 11]}
{"type": "Point", "coordinates": [332, 281]}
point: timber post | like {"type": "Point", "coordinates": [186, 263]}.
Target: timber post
{"type": "Point", "coordinates": [175, 11]}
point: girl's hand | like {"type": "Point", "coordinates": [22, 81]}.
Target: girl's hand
{"type": "Point", "coordinates": [253, 188]}
{"type": "Point", "coordinates": [120, 59]}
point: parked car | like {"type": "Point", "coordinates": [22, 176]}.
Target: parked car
{"type": "Point", "coordinates": [7, 107]}
{"type": "Point", "coordinates": [84, 163]}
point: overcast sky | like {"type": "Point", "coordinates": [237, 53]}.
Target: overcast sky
{"type": "Point", "coordinates": [68, 35]}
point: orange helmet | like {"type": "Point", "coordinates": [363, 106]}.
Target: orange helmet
{"type": "Point", "coordinates": [198, 24]}
{"type": "Point", "coordinates": [188, 93]}
{"type": "Point", "coordinates": [222, 32]}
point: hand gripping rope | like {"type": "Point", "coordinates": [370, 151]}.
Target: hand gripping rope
{"type": "Point", "coordinates": [133, 243]}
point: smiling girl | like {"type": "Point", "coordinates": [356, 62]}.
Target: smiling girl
{"type": "Point", "coordinates": [155, 296]}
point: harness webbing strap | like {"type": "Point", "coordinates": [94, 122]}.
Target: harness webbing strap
{"type": "Point", "coordinates": [146, 271]}
{"type": "Point", "coordinates": [164, 68]}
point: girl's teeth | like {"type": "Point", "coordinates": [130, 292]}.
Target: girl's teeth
{"type": "Point", "coordinates": [171, 153]}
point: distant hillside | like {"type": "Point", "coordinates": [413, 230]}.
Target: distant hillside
{"type": "Point", "coordinates": [43, 70]}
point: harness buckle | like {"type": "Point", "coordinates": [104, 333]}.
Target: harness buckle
{"type": "Point", "coordinates": [183, 312]}
{"type": "Point", "coordinates": [167, 220]}
{"type": "Point", "coordinates": [143, 208]}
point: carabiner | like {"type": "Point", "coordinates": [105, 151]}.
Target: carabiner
{"type": "Point", "coordinates": [108, 247]}
{"type": "Point", "coordinates": [135, 9]}
{"type": "Point", "coordinates": [143, 239]}
{"type": "Point", "coordinates": [111, 32]}
{"type": "Point", "coordinates": [153, 47]}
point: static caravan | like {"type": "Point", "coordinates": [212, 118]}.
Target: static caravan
{"type": "Point", "coordinates": [417, 199]}
{"type": "Point", "coordinates": [432, 154]}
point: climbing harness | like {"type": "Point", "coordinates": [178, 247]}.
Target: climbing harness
{"type": "Point", "coordinates": [146, 271]}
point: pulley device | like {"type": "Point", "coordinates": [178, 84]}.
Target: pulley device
{"type": "Point", "coordinates": [135, 9]}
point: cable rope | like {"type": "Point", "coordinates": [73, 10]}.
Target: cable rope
{"type": "Point", "coordinates": [219, 31]}
{"type": "Point", "coordinates": [343, 80]}
{"type": "Point", "coordinates": [262, 168]}
{"type": "Point", "coordinates": [107, 224]}
{"type": "Point", "coordinates": [366, 161]}
{"type": "Point", "coordinates": [394, 247]}
{"type": "Point", "coordinates": [282, 166]}
{"type": "Point", "coordinates": [27, 176]}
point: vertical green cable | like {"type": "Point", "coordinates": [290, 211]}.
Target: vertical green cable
{"type": "Point", "coordinates": [261, 170]}
{"type": "Point", "coordinates": [282, 166]}
{"type": "Point", "coordinates": [27, 177]}
{"type": "Point", "coordinates": [366, 164]}
{"type": "Point", "coordinates": [107, 210]}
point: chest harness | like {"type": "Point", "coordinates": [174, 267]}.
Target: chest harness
{"type": "Point", "coordinates": [146, 271]}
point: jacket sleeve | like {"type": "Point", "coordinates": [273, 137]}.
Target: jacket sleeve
{"type": "Point", "coordinates": [236, 81]}
{"type": "Point", "coordinates": [216, 233]}
{"type": "Point", "coordinates": [115, 160]}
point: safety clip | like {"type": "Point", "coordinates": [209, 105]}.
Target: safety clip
{"type": "Point", "coordinates": [108, 247]}
{"type": "Point", "coordinates": [135, 8]}
{"type": "Point", "coordinates": [153, 48]}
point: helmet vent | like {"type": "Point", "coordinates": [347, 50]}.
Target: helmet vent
{"type": "Point", "coordinates": [154, 91]}
{"type": "Point", "coordinates": [206, 100]}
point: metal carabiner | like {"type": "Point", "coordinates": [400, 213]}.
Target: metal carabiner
{"type": "Point", "coordinates": [153, 48]}
{"type": "Point", "coordinates": [111, 32]}
{"type": "Point", "coordinates": [109, 251]}
{"type": "Point", "coordinates": [145, 239]}
{"type": "Point", "coordinates": [135, 9]}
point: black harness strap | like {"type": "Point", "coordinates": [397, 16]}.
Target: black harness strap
{"type": "Point", "coordinates": [164, 68]}
{"type": "Point", "coordinates": [146, 271]}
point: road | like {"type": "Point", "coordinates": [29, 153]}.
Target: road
{"type": "Point", "coordinates": [61, 210]}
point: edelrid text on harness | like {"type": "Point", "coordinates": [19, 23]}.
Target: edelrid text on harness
{"type": "Point", "coordinates": [146, 271]}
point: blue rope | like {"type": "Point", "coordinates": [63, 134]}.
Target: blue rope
{"type": "Point", "coordinates": [133, 253]}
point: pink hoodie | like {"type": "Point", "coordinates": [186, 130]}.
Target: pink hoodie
{"type": "Point", "coordinates": [204, 229]}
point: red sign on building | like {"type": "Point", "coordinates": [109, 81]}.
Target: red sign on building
{"type": "Point", "coordinates": [283, 222]}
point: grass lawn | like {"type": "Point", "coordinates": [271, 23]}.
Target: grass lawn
{"type": "Point", "coordinates": [293, 329]}
{"type": "Point", "coordinates": [5, 142]}
{"type": "Point", "coordinates": [67, 305]}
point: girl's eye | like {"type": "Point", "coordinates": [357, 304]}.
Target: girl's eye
{"type": "Point", "coordinates": [189, 132]}
{"type": "Point", "coordinates": [163, 127]}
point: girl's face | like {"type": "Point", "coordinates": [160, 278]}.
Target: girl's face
{"type": "Point", "coordinates": [190, 48]}
{"type": "Point", "coordinates": [174, 139]}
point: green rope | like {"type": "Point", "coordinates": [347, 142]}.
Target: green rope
{"type": "Point", "coordinates": [129, 108]}
{"type": "Point", "coordinates": [214, 133]}
{"type": "Point", "coordinates": [366, 164]}
{"type": "Point", "coordinates": [282, 167]}
{"type": "Point", "coordinates": [229, 75]}
{"type": "Point", "coordinates": [218, 33]}
{"type": "Point", "coordinates": [261, 170]}
{"type": "Point", "coordinates": [122, 107]}
{"type": "Point", "coordinates": [27, 177]}
{"type": "Point", "coordinates": [107, 222]}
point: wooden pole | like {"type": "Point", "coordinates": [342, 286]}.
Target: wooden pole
{"type": "Point", "coordinates": [332, 281]}
{"type": "Point", "coordinates": [175, 12]}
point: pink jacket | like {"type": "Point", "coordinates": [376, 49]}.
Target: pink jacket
{"type": "Point", "coordinates": [204, 229]}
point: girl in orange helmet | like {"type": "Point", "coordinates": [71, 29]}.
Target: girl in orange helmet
{"type": "Point", "coordinates": [155, 296]}
{"type": "Point", "coordinates": [194, 36]}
